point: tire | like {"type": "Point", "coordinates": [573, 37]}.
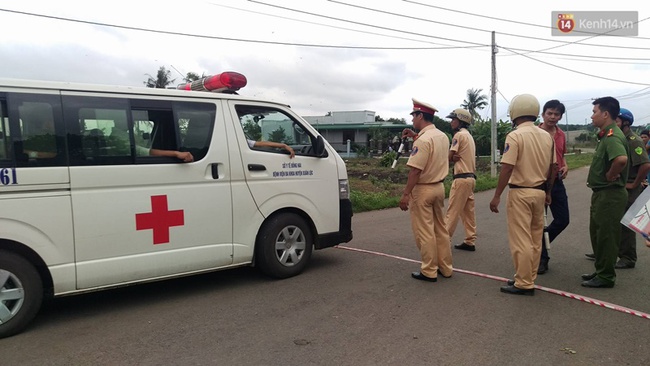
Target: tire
{"type": "Point", "coordinates": [21, 293]}
{"type": "Point", "coordinates": [284, 246]}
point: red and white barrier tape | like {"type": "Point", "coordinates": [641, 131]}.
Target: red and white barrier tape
{"type": "Point", "coordinates": [538, 287]}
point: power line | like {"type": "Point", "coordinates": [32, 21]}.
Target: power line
{"type": "Point", "coordinates": [226, 38]}
{"type": "Point", "coordinates": [319, 24]}
{"type": "Point", "coordinates": [564, 43]}
{"type": "Point", "coordinates": [575, 71]}
{"type": "Point", "coordinates": [367, 25]}
{"type": "Point", "coordinates": [509, 21]}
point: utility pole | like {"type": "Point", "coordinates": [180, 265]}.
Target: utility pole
{"type": "Point", "coordinates": [493, 135]}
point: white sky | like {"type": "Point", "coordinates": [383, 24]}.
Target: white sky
{"type": "Point", "coordinates": [438, 69]}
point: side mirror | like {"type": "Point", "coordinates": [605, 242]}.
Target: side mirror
{"type": "Point", "coordinates": [319, 147]}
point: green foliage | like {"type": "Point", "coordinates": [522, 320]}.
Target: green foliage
{"type": "Point", "coordinates": [384, 188]}
{"type": "Point", "coordinates": [584, 137]}
{"type": "Point", "coordinates": [443, 125]}
{"type": "Point", "coordinates": [362, 151]}
{"type": "Point", "coordinates": [192, 76]}
{"type": "Point", "coordinates": [162, 79]}
{"type": "Point", "coordinates": [397, 121]}
{"type": "Point", "coordinates": [475, 100]}
{"type": "Point", "coordinates": [387, 159]}
{"type": "Point", "coordinates": [370, 201]}
{"type": "Point", "coordinates": [252, 130]}
{"type": "Point", "coordinates": [578, 160]}
{"type": "Point", "coordinates": [280, 135]}
{"type": "Point", "coordinates": [482, 133]}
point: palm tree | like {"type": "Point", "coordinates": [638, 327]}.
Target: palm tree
{"type": "Point", "coordinates": [162, 80]}
{"type": "Point", "coordinates": [475, 100]}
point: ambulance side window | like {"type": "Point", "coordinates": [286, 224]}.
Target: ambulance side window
{"type": "Point", "coordinates": [98, 130]}
{"type": "Point", "coordinates": [195, 123]}
{"type": "Point", "coordinates": [36, 122]}
{"type": "Point", "coordinates": [5, 142]}
{"type": "Point", "coordinates": [112, 131]}
{"type": "Point", "coordinates": [268, 124]}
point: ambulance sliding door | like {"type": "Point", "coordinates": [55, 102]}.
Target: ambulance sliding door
{"type": "Point", "coordinates": [139, 215]}
{"type": "Point", "coordinates": [34, 180]}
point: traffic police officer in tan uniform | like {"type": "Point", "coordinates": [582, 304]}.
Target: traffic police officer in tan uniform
{"type": "Point", "coordinates": [424, 194]}
{"type": "Point", "coordinates": [528, 167]}
{"type": "Point", "coordinates": [461, 196]}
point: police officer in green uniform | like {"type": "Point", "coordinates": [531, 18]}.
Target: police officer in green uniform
{"type": "Point", "coordinates": [639, 168]}
{"type": "Point", "coordinates": [607, 177]}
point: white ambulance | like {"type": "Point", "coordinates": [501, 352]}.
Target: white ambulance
{"type": "Point", "coordinates": [93, 194]}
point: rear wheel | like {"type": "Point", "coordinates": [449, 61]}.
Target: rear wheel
{"type": "Point", "coordinates": [284, 246]}
{"type": "Point", "coordinates": [21, 293]}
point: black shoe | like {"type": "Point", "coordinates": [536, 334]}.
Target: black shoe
{"type": "Point", "coordinates": [510, 282]}
{"type": "Point", "coordinates": [624, 264]}
{"type": "Point", "coordinates": [588, 276]}
{"type": "Point", "coordinates": [591, 256]}
{"type": "Point", "coordinates": [465, 246]}
{"type": "Point", "coordinates": [440, 273]}
{"type": "Point", "coordinates": [596, 282]}
{"type": "Point", "coordinates": [543, 267]}
{"type": "Point", "coordinates": [420, 276]}
{"type": "Point", "coordinates": [517, 291]}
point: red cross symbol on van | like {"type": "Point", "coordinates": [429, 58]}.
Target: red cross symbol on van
{"type": "Point", "coordinates": [160, 219]}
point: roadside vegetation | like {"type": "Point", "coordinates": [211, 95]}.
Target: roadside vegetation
{"type": "Point", "coordinates": [375, 186]}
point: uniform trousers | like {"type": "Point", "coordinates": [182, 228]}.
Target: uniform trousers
{"type": "Point", "coordinates": [525, 211]}
{"type": "Point", "coordinates": [461, 205]}
{"type": "Point", "coordinates": [627, 250]}
{"type": "Point", "coordinates": [428, 222]}
{"type": "Point", "coordinates": [606, 211]}
{"type": "Point", "coordinates": [560, 209]}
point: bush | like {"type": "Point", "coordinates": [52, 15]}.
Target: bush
{"type": "Point", "coordinates": [387, 159]}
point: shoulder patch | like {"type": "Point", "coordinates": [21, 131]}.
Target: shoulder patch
{"type": "Point", "coordinates": [638, 150]}
{"type": "Point", "coordinates": [505, 149]}
{"type": "Point", "coordinates": [414, 151]}
{"type": "Point", "coordinates": [454, 142]}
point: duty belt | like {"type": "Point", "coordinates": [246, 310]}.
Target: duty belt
{"type": "Point", "coordinates": [465, 175]}
{"type": "Point", "coordinates": [440, 181]}
{"type": "Point", "coordinates": [541, 186]}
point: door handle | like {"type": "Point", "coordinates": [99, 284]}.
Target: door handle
{"type": "Point", "coordinates": [215, 171]}
{"type": "Point", "coordinates": [256, 167]}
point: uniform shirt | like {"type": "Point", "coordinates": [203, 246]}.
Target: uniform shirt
{"type": "Point", "coordinates": [559, 139]}
{"type": "Point", "coordinates": [530, 150]}
{"type": "Point", "coordinates": [463, 144]}
{"type": "Point", "coordinates": [637, 154]}
{"type": "Point", "coordinates": [611, 145]}
{"type": "Point", "coordinates": [430, 154]}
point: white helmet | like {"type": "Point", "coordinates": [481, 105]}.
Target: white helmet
{"type": "Point", "coordinates": [523, 105]}
{"type": "Point", "coordinates": [462, 115]}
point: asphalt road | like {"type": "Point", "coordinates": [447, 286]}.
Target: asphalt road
{"type": "Point", "coordinates": [359, 308]}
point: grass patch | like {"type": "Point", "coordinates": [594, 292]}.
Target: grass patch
{"type": "Point", "coordinates": [374, 187]}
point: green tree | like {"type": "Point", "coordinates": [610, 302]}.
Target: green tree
{"type": "Point", "coordinates": [280, 135]}
{"type": "Point", "coordinates": [162, 79]}
{"type": "Point", "coordinates": [192, 76]}
{"type": "Point", "coordinates": [482, 133]}
{"type": "Point", "coordinates": [397, 121]}
{"type": "Point", "coordinates": [475, 100]}
{"type": "Point", "coordinates": [252, 130]}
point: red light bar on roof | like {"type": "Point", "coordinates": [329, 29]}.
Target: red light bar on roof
{"type": "Point", "coordinates": [226, 81]}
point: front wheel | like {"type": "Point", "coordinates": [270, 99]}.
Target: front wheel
{"type": "Point", "coordinates": [21, 293]}
{"type": "Point", "coordinates": [284, 246]}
